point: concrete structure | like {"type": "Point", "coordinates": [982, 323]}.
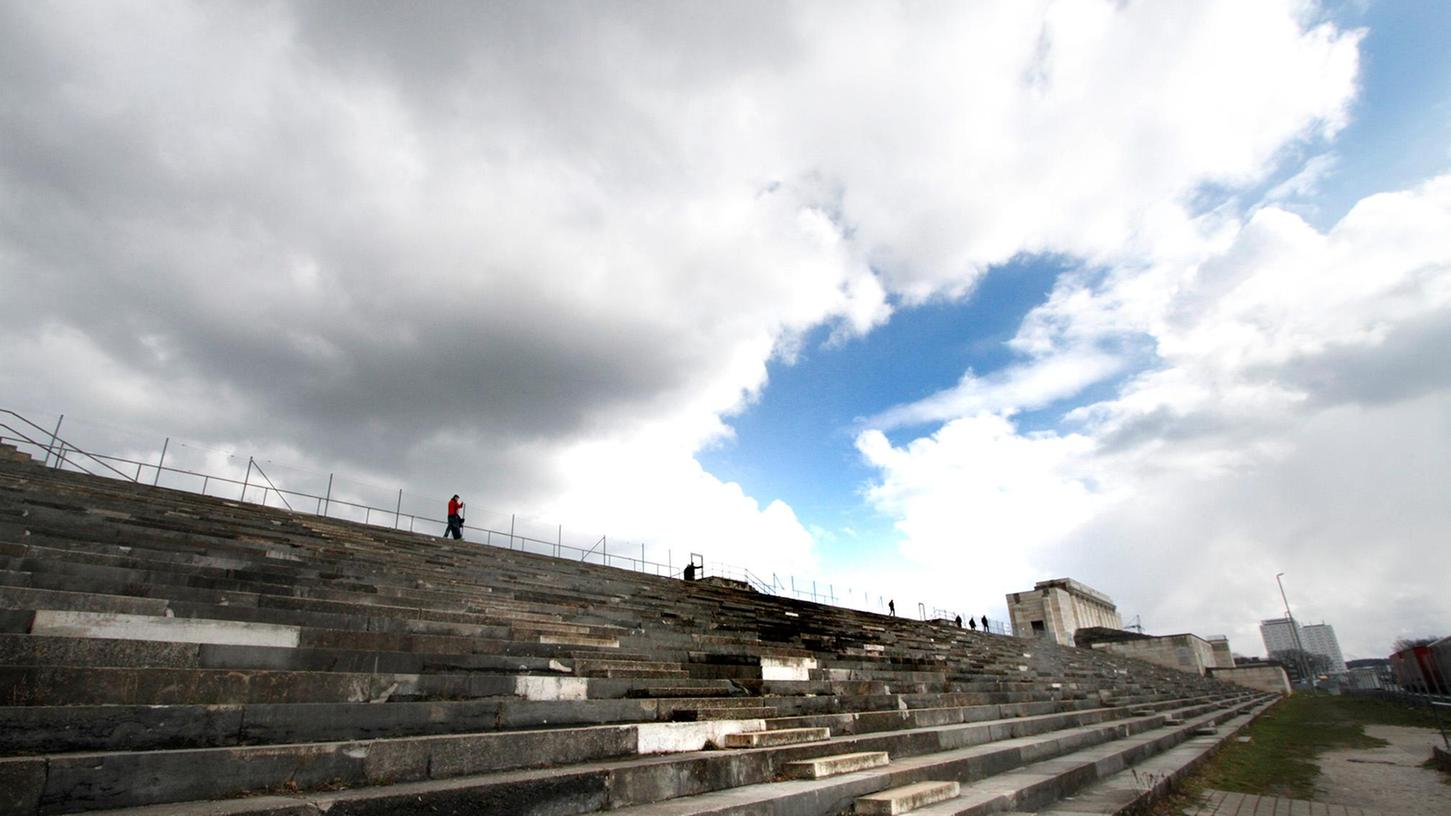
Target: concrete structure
{"type": "Point", "coordinates": [1261, 676]}
{"type": "Point", "coordinates": [1223, 657]}
{"type": "Point", "coordinates": [1186, 652]}
{"type": "Point", "coordinates": [1057, 608]}
{"type": "Point", "coordinates": [163, 652]}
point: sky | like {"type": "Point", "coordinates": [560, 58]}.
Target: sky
{"type": "Point", "coordinates": [920, 301]}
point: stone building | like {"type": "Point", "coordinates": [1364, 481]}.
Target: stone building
{"type": "Point", "coordinates": [1057, 608]}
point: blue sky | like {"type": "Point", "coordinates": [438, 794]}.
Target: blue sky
{"type": "Point", "coordinates": [796, 442]}
{"type": "Point", "coordinates": [936, 301]}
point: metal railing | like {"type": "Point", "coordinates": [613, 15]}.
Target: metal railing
{"type": "Point", "coordinates": [59, 453]}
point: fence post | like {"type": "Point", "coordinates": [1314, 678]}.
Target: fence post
{"type": "Point", "coordinates": [161, 461]}
{"type": "Point", "coordinates": [397, 512]}
{"type": "Point", "coordinates": [247, 478]}
{"type": "Point", "coordinates": [642, 556]}
{"type": "Point", "coordinates": [329, 499]}
{"type": "Point", "coordinates": [511, 531]}
{"type": "Point", "coordinates": [53, 434]}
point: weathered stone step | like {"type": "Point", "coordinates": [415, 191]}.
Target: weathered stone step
{"type": "Point", "coordinates": [1038, 784]}
{"type": "Point", "coordinates": [111, 780]}
{"type": "Point", "coordinates": [906, 798]}
{"type": "Point", "coordinates": [823, 767]}
{"type": "Point", "coordinates": [121, 626]}
{"type": "Point", "coordinates": [772, 739]}
{"type": "Point", "coordinates": [683, 691]}
{"type": "Point", "coordinates": [1134, 788]}
{"type": "Point", "coordinates": [712, 713]}
{"type": "Point", "coordinates": [52, 729]}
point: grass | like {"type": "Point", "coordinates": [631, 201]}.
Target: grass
{"type": "Point", "coordinates": [1279, 757]}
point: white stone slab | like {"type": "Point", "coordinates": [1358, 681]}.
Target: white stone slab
{"type": "Point", "coordinates": [670, 738]}
{"type": "Point", "coordinates": [551, 688]}
{"type": "Point", "coordinates": [787, 668]}
{"type": "Point", "coordinates": [119, 626]}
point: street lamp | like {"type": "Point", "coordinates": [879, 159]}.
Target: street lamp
{"type": "Point", "coordinates": [1294, 633]}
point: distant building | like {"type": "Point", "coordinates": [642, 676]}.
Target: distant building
{"type": "Point", "coordinates": [1319, 638]}
{"type": "Point", "coordinates": [1279, 635]}
{"type": "Point", "coordinates": [1369, 673]}
{"type": "Point", "coordinates": [1057, 608]}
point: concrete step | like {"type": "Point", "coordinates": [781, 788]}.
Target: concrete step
{"type": "Point", "coordinates": [128, 779]}
{"type": "Point", "coordinates": [773, 739]}
{"type": "Point", "coordinates": [906, 798]}
{"type": "Point", "coordinates": [823, 767]}
{"type": "Point", "coordinates": [1136, 788]}
{"type": "Point", "coordinates": [715, 713]}
{"type": "Point", "coordinates": [1042, 783]}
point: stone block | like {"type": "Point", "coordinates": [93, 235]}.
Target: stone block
{"type": "Point", "coordinates": [22, 781]}
{"type": "Point", "coordinates": [906, 798]}
{"type": "Point", "coordinates": [551, 688]}
{"type": "Point", "coordinates": [668, 738]}
{"type": "Point", "coordinates": [823, 767]}
{"type": "Point", "coordinates": [771, 739]}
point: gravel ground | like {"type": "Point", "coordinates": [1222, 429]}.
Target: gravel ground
{"type": "Point", "coordinates": [1388, 780]}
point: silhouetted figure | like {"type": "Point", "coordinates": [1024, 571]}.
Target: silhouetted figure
{"type": "Point", "coordinates": [455, 518]}
{"type": "Point", "coordinates": [892, 608]}
{"type": "Point", "coordinates": [972, 623]}
{"type": "Point", "coordinates": [984, 623]}
{"type": "Point", "coordinates": [959, 621]}
{"type": "Point", "coordinates": [690, 572]}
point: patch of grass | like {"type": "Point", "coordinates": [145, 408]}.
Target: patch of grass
{"type": "Point", "coordinates": [1279, 757]}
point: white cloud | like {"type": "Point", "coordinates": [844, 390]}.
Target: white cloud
{"type": "Point", "coordinates": [538, 254]}
{"type": "Point", "coordinates": [1294, 421]}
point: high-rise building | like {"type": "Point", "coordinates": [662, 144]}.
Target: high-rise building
{"type": "Point", "coordinates": [1280, 634]}
{"type": "Point", "coordinates": [1319, 638]}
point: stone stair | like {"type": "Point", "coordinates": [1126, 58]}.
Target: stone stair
{"type": "Point", "coordinates": [168, 653]}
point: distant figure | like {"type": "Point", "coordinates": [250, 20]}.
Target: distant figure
{"type": "Point", "coordinates": [455, 518]}
{"type": "Point", "coordinates": [892, 608]}
{"type": "Point", "coordinates": [690, 572]}
{"type": "Point", "coordinates": [959, 621]}
{"type": "Point", "coordinates": [984, 623]}
{"type": "Point", "coordinates": [972, 623]}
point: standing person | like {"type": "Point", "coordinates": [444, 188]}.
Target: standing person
{"type": "Point", "coordinates": [984, 623]}
{"type": "Point", "coordinates": [972, 623]}
{"type": "Point", "coordinates": [892, 608]}
{"type": "Point", "coordinates": [959, 621]}
{"type": "Point", "coordinates": [455, 518]}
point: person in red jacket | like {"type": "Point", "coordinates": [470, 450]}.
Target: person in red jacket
{"type": "Point", "coordinates": [455, 518]}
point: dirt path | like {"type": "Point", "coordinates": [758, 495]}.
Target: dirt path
{"type": "Point", "coordinates": [1388, 780]}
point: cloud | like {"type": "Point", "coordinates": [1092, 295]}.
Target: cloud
{"type": "Point", "coordinates": [540, 255]}
{"type": "Point", "coordinates": [1294, 421]}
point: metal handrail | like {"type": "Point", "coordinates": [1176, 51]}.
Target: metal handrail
{"type": "Point", "coordinates": [264, 475]}
{"type": "Point", "coordinates": [55, 439]}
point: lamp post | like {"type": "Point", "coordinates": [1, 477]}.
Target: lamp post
{"type": "Point", "coordinates": [1294, 633]}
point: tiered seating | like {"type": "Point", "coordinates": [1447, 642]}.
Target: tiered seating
{"type": "Point", "coordinates": [160, 649]}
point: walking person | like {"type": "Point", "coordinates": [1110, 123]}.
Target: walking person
{"type": "Point", "coordinates": [892, 608]}
{"type": "Point", "coordinates": [984, 623]}
{"type": "Point", "coordinates": [455, 518]}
